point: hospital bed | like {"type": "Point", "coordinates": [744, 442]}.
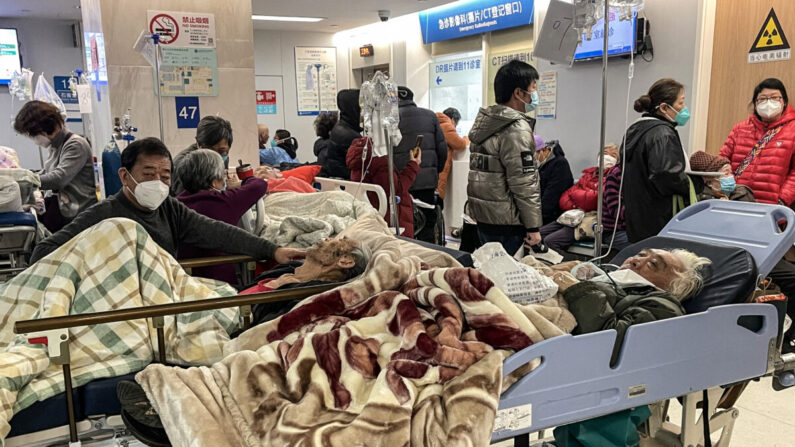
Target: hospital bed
{"type": "Point", "coordinates": [706, 350]}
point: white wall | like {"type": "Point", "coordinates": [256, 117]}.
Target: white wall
{"type": "Point", "coordinates": [274, 56]}
{"type": "Point", "coordinates": [45, 45]}
{"type": "Point", "coordinates": [674, 26]}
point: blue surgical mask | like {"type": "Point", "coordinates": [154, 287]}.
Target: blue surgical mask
{"type": "Point", "coordinates": [682, 117]}
{"type": "Point", "coordinates": [273, 143]}
{"type": "Point", "coordinates": [533, 104]}
{"type": "Point", "coordinates": [728, 185]}
{"type": "Point", "coordinates": [222, 189]}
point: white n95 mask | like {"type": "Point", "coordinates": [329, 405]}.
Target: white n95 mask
{"type": "Point", "coordinates": [149, 194]}
{"type": "Point", "coordinates": [769, 108]}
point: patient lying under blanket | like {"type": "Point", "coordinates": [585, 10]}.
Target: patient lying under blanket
{"type": "Point", "coordinates": [110, 266]}
{"type": "Point", "coordinates": [400, 356]}
{"type": "Point", "coordinates": [328, 261]}
{"type": "Point", "coordinates": [647, 287]}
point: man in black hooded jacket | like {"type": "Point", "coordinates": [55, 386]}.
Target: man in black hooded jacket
{"type": "Point", "coordinates": [344, 132]}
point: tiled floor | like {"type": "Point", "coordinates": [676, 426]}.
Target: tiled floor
{"type": "Point", "coordinates": [767, 418]}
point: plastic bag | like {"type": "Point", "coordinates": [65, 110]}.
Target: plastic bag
{"type": "Point", "coordinates": [521, 283]}
{"type": "Point", "coordinates": [379, 101]}
{"type": "Point", "coordinates": [571, 218]}
{"type": "Point", "coordinates": [21, 85]}
{"type": "Point", "coordinates": [45, 92]}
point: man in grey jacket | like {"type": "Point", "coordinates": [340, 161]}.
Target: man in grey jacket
{"type": "Point", "coordinates": [503, 189]}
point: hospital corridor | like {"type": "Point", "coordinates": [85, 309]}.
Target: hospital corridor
{"type": "Point", "coordinates": [381, 223]}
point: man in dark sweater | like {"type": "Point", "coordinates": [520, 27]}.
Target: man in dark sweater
{"type": "Point", "coordinates": [146, 176]}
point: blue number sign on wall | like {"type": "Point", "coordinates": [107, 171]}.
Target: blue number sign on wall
{"type": "Point", "coordinates": [461, 19]}
{"type": "Point", "coordinates": [61, 85]}
{"type": "Point", "coordinates": [187, 112]}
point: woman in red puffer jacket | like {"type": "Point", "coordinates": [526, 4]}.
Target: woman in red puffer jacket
{"type": "Point", "coordinates": [762, 148]}
{"type": "Point", "coordinates": [584, 194]}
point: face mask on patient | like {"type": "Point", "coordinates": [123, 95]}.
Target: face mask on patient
{"type": "Point", "coordinates": [623, 278]}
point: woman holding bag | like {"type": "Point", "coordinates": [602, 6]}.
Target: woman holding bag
{"type": "Point", "coordinates": [761, 147]}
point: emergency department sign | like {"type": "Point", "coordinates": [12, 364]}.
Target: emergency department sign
{"type": "Point", "coordinates": [466, 18]}
{"type": "Point", "coordinates": [771, 43]}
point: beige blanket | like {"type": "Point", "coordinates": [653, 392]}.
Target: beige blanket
{"type": "Point", "coordinates": [398, 357]}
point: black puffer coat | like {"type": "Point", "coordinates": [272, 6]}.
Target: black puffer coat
{"type": "Point", "coordinates": [655, 173]}
{"type": "Point", "coordinates": [416, 121]}
{"type": "Point", "coordinates": [342, 135]}
{"type": "Point", "coordinates": [556, 178]}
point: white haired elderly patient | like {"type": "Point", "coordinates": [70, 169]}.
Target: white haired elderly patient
{"type": "Point", "coordinates": [647, 287]}
{"type": "Point", "coordinates": [203, 177]}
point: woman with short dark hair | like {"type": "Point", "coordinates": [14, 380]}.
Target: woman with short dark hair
{"type": "Point", "coordinates": [68, 172]}
{"type": "Point", "coordinates": [761, 147]}
{"type": "Point", "coordinates": [655, 160]}
{"type": "Point", "coordinates": [213, 133]}
{"type": "Point", "coordinates": [203, 176]}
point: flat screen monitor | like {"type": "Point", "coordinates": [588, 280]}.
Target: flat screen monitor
{"type": "Point", "coordinates": [10, 60]}
{"type": "Point", "coordinates": [621, 40]}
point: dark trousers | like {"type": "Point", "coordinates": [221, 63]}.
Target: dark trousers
{"type": "Point", "coordinates": [511, 237]}
{"type": "Point", "coordinates": [557, 236]}
{"type": "Point", "coordinates": [431, 231]}
{"type": "Point", "coordinates": [52, 218]}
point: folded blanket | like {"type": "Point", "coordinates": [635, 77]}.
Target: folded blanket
{"type": "Point", "coordinates": [302, 220]}
{"type": "Point", "coordinates": [113, 265]}
{"type": "Point", "coordinates": [371, 362]}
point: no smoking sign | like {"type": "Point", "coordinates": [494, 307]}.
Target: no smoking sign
{"type": "Point", "coordinates": [166, 27]}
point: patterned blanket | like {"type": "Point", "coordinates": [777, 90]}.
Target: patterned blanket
{"type": "Point", "coordinates": [113, 265]}
{"type": "Point", "coordinates": [302, 220]}
{"type": "Point", "coordinates": [398, 357]}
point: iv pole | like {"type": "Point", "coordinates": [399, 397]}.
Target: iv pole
{"type": "Point", "coordinates": [599, 228]}
{"type": "Point", "coordinates": [156, 40]}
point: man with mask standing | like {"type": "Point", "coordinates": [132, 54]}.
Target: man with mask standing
{"type": "Point", "coordinates": [146, 176]}
{"type": "Point", "coordinates": [503, 187]}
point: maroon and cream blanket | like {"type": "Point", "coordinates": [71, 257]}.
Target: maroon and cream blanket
{"type": "Point", "coordinates": [417, 363]}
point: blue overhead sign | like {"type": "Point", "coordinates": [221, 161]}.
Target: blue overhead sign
{"type": "Point", "coordinates": [461, 19]}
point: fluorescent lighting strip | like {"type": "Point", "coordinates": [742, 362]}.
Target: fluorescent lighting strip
{"type": "Point", "coordinates": [287, 19]}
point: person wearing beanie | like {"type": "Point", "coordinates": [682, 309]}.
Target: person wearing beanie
{"type": "Point", "coordinates": [719, 183]}
{"type": "Point", "coordinates": [556, 177]}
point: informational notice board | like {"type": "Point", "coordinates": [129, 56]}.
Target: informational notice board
{"type": "Point", "coordinates": [316, 79]}
{"type": "Point", "coordinates": [188, 72]}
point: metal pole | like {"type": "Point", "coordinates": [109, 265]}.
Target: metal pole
{"type": "Point", "coordinates": [392, 201]}
{"type": "Point", "coordinates": [156, 40]}
{"type": "Point", "coordinates": [70, 405]}
{"type": "Point", "coordinates": [599, 229]}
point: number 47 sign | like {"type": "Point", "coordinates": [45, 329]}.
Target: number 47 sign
{"type": "Point", "coordinates": [187, 112]}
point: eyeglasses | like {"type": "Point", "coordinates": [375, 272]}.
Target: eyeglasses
{"type": "Point", "coordinates": [762, 99]}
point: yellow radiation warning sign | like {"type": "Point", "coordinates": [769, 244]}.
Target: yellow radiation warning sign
{"type": "Point", "coordinates": [770, 43]}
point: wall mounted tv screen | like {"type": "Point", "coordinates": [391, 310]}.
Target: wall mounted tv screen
{"type": "Point", "coordinates": [621, 40]}
{"type": "Point", "coordinates": [10, 60]}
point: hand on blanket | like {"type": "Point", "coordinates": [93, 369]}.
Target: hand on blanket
{"type": "Point", "coordinates": [564, 280]}
{"type": "Point", "coordinates": [285, 255]}
{"type": "Point", "coordinates": [531, 239]}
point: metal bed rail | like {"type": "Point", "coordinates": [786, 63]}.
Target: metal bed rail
{"type": "Point", "coordinates": [54, 332]}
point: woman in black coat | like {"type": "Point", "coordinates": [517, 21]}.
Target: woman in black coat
{"type": "Point", "coordinates": [655, 171]}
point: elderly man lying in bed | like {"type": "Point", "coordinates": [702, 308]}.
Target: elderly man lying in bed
{"type": "Point", "coordinates": [647, 287]}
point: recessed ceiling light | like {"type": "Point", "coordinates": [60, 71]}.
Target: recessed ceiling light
{"type": "Point", "coordinates": [287, 19]}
